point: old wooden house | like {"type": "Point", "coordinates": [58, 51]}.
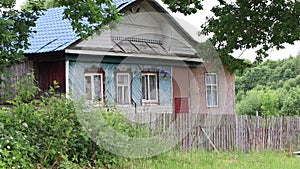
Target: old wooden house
{"type": "Point", "coordinates": [148, 63]}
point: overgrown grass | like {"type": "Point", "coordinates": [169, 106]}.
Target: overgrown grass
{"type": "Point", "coordinates": [213, 160]}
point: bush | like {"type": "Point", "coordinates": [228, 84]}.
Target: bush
{"type": "Point", "coordinates": [46, 133]}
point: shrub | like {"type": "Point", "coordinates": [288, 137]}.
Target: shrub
{"type": "Point", "coordinates": [46, 133]}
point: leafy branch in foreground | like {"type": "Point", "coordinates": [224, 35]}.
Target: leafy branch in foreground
{"type": "Point", "coordinates": [246, 24]}
{"type": "Point", "coordinates": [15, 28]}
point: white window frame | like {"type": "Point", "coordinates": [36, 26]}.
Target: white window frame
{"type": "Point", "coordinates": [123, 86]}
{"type": "Point", "coordinates": [91, 98]}
{"type": "Point", "coordinates": [211, 85]}
{"type": "Point", "coordinates": [149, 101]}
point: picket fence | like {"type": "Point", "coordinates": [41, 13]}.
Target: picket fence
{"type": "Point", "coordinates": [224, 132]}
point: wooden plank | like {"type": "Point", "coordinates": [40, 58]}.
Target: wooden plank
{"type": "Point", "coordinates": [234, 132]}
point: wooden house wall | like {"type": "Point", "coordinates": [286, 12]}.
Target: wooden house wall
{"type": "Point", "coordinates": [76, 83]}
{"type": "Point", "coordinates": [50, 67]}
{"type": "Point", "coordinates": [50, 72]}
{"type": "Point", "coordinates": [226, 91]}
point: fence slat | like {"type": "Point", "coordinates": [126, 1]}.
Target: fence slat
{"type": "Point", "coordinates": [232, 132]}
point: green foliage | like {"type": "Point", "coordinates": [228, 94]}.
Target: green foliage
{"type": "Point", "coordinates": [26, 88]}
{"type": "Point", "coordinates": [271, 88]}
{"type": "Point", "coordinates": [41, 4]}
{"type": "Point", "coordinates": [46, 133]}
{"type": "Point", "coordinates": [253, 24]}
{"type": "Point", "coordinates": [273, 74]}
{"type": "Point", "coordinates": [249, 104]}
{"type": "Point", "coordinates": [88, 16]}
{"type": "Point", "coordinates": [185, 7]}
{"type": "Point", "coordinates": [269, 102]}
{"type": "Point", "coordinates": [291, 102]}
{"type": "Point", "coordinates": [242, 24]}
{"type": "Point", "coordinates": [15, 30]}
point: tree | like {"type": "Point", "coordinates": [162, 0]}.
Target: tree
{"type": "Point", "coordinates": [291, 102]}
{"type": "Point", "coordinates": [43, 4]}
{"type": "Point", "coordinates": [15, 30]}
{"type": "Point", "coordinates": [274, 74]}
{"type": "Point", "coordinates": [245, 24]}
{"type": "Point", "coordinates": [88, 16]}
{"type": "Point", "coordinates": [249, 104]}
{"type": "Point", "coordinates": [271, 88]}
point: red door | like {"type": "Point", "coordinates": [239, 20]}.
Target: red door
{"type": "Point", "coordinates": [181, 105]}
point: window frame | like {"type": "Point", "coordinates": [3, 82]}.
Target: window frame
{"type": "Point", "coordinates": [211, 85]}
{"type": "Point", "coordinates": [149, 101]}
{"type": "Point", "coordinates": [128, 85]}
{"type": "Point", "coordinates": [91, 98]}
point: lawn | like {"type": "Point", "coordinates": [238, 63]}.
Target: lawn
{"type": "Point", "coordinates": [213, 160]}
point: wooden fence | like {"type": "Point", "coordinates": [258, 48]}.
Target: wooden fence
{"type": "Point", "coordinates": [225, 132]}
{"type": "Point", "coordinates": [15, 73]}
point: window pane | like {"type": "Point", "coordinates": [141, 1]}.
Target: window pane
{"type": "Point", "coordinates": [88, 86]}
{"type": "Point", "coordinates": [214, 101]}
{"type": "Point", "coordinates": [152, 83]}
{"type": "Point", "coordinates": [97, 87]}
{"type": "Point", "coordinates": [208, 81]}
{"type": "Point", "coordinates": [208, 97]}
{"type": "Point", "coordinates": [212, 95]}
{"type": "Point", "coordinates": [126, 95]}
{"type": "Point", "coordinates": [123, 79]}
{"type": "Point", "coordinates": [211, 79]}
{"type": "Point", "coordinates": [119, 97]}
{"type": "Point", "coordinates": [126, 79]}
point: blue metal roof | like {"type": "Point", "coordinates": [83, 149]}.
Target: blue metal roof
{"type": "Point", "coordinates": [53, 33]}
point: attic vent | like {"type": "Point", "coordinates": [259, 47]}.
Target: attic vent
{"type": "Point", "coordinates": [134, 39]}
{"type": "Point", "coordinates": [134, 10]}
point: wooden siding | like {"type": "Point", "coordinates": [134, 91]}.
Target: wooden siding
{"type": "Point", "coordinates": [50, 72]}
{"type": "Point", "coordinates": [190, 82]}
{"type": "Point", "coordinates": [226, 91]}
{"type": "Point", "coordinates": [146, 24]}
{"type": "Point", "coordinates": [76, 81]}
{"type": "Point", "coordinates": [49, 67]}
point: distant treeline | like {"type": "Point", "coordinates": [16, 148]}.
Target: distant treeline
{"type": "Point", "coordinates": [270, 88]}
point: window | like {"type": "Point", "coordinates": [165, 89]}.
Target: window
{"type": "Point", "coordinates": [211, 89]}
{"type": "Point", "coordinates": [94, 86]}
{"type": "Point", "coordinates": [149, 88]}
{"type": "Point", "coordinates": [123, 88]}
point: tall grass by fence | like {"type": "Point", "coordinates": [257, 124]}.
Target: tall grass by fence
{"type": "Point", "coordinates": [225, 132]}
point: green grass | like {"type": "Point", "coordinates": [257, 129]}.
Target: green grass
{"type": "Point", "coordinates": [213, 160]}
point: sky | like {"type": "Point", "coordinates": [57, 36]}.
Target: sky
{"type": "Point", "coordinates": [193, 22]}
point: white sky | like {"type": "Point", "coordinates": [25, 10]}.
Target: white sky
{"type": "Point", "coordinates": [192, 25]}
{"type": "Point", "coordinates": [19, 3]}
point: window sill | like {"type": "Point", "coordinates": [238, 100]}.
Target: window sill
{"type": "Point", "coordinates": [150, 103]}
{"type": "Point", "coordinates": [212, 106]}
